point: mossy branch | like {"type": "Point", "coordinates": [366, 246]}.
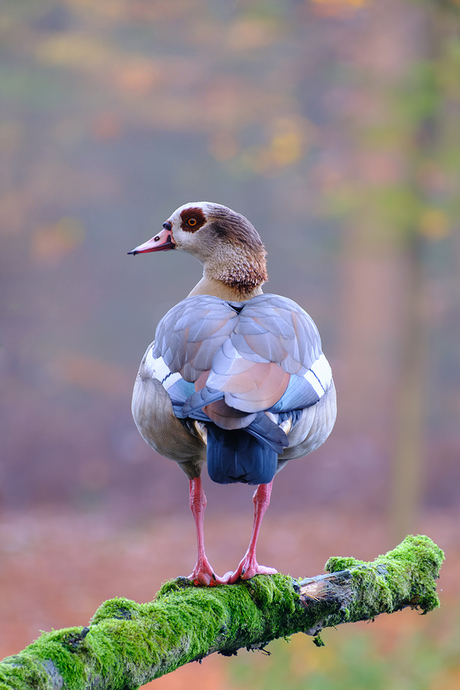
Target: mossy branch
{"type": "Point", "coordinates": [127, 644]}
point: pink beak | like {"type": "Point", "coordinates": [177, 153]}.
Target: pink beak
{"type": "Point", "coordinates": [160, 243]}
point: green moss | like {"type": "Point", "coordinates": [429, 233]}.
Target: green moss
{"type": "Point", "coordinates": [404, 576]}
{"type": "Point", "coordinates": [22, 672]}
{"type": "Point", "coordinates": [266, 591]}
{"type": "Point", "coordinates": [413, 567]}
{"type": "Point", "coordinates": [337, 563]}
{"type": "Point", "coordinates": [129, 644]}
{"type": "Point", "coordinates": [50, 647]}
{"type": "Point", "coordinates": [118, 608]}
{"type": "Point", "coordinates": [177, 585]}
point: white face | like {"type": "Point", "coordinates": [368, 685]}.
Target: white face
{"type": "Point", "coordinates": [188, 225]}
{"type": "Point", "coordinates": [213, 233]}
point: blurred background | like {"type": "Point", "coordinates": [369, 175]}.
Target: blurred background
{"type": "Point", "coordinates": [334, 126]}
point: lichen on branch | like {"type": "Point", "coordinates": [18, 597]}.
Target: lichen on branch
{"type": "Point", "coordinates": [128, 644]}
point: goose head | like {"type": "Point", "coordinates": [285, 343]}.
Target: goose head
{"type": "Point", "coordinates": [225, 242]}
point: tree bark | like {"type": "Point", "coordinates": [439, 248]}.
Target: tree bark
{"type": "Point", "coordinates": [127, 644]}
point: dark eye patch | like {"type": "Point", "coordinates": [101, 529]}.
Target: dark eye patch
{"type": "Point", "coordinates": [192, 219]}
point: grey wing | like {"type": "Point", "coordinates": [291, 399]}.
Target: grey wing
{"type": "Point", "coordinates": [153, 413]}
{"type": "Point", "coordinates": [270, 359]}
{"type": "Point", "coordinates": [313, 426]}
{"type": "Point", "coordinates": [290, 336]}
{"type": "Point", "coordinates": [190, 334]}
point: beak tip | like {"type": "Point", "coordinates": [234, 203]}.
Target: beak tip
{"type": "Point", "coordinates": [160, 243]}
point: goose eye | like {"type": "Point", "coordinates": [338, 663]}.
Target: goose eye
{"type": "Point", "coordinates": [191, 219]}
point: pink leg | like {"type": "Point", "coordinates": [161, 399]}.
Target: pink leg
{"type": "Point", "coordinates": [202, 572]}
{"type": "Point", "coordinates": [249, 567]}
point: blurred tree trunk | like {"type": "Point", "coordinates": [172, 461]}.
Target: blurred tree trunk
{"type": "Point", "coordinates": [382, 277]}
{"type": "Point", "coordinates": [407, 478]}
{"type": "Point", "coordinates": [396, 129]}
{"type": "Point", "coordinates": [384, 266]}
{"type": "Point", "coordinates": [431, 145]}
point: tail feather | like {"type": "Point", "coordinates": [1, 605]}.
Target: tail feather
{"type": "Point", "coordinates": [237, 456]}
{"type": "Point", "coordinates": [268, 433]}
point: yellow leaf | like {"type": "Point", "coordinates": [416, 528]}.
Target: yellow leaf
{"type": "Point", "coordinates": [434, 224]}
{"type": "Point", "coordinates": [51, 242]}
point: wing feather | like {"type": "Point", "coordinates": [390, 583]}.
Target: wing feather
{"type": "Point", "coordinates": [264, 354]}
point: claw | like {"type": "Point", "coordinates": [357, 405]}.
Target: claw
{"type": "Point", "coordinates": [204, 575]}
{"type": "Point", "coordinates": [247, 569]}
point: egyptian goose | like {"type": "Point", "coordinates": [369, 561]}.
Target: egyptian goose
{"type": "Point", "coordinates": [235, 377]}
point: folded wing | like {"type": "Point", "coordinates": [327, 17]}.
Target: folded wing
{"type": "Point", "coordinates": [243, 358]}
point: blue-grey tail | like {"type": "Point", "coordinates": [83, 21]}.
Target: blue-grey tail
{"type": "Point", "coordinates": [238, 456]}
